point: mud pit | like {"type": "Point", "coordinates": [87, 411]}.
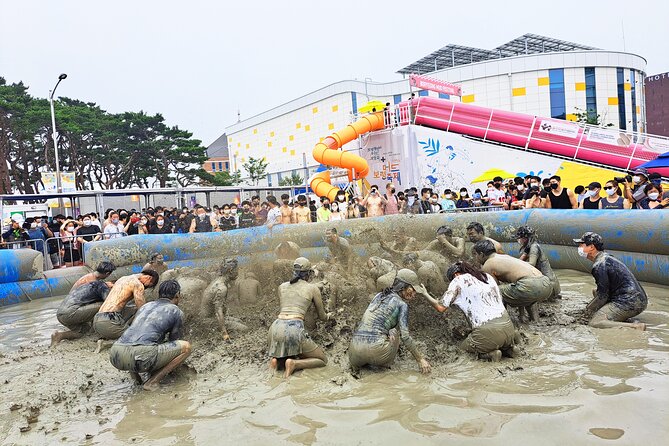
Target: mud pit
{"type": "Point", "coordinates": [572, 384]}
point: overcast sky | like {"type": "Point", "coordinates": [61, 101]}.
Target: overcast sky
{"type": "Point", "coordinates": [198, 62]}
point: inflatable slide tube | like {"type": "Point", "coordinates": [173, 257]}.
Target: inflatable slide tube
{"type": "Point", "coordinates": [20, 264]}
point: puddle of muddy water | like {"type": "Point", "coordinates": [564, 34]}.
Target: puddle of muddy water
{"type": "Point", "coordinates": [573, 385]}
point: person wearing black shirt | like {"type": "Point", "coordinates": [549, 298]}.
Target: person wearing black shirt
{"type": "Point", "coordinates": [227, 220]}
{"type": "Point", "coordinates": [247, 218]}
{"type": "Point", "coordinates": [78, 309]}
{"type": "Point", "coordinates": [592, 197]}
{"type": "Point", "coordinates": [161, 226]}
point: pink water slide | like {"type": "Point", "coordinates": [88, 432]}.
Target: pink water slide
{"type": "Point", "coordinates": [608, 147]}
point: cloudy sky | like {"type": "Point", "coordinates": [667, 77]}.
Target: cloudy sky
{"type": "Point", "coordinates": [198, 62]}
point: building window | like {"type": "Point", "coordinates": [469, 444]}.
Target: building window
{"type": "Point", "coordinates": [422, 93]}
{"type": "Point", "coordinates": [633, 83]}
{"type": "Point", "coordinates": [227, 165]}
{"type": "Point", "coordinates": [213, 167]}
{"type": "Point", "coordinates": [397, 99]}
{"type": "Point", "coordinates": [622, 119]}
{"type": "Point", "coordinates": [354, 102]}
{"type": "Point", "coordinates": [590, 94]}
{"type": "Point", "coordinates": [444, 96]}
{"type": "Point", "coordinates": [220, 166]}
{"type": "Point", "coordinates": [558, 107]}
{"type": "Point", "coordinates": [278, 177]}
{"type": "Point", "coordinates": [269, 180]}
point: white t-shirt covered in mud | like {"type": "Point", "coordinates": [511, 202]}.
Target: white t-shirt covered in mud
{"type": "Point", "coordinates": [481, 302]}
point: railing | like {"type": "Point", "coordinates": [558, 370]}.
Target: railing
{"type": "Point", "coordinates": [69, 248]}
{"type": "Point", "coordinates": [493, 208]}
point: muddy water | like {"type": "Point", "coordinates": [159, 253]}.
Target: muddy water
{"type": "Point", "coordinates": [573, 384]}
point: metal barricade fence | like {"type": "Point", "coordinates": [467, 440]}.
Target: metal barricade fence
{"type": "Point", "coordinates": [68, 249]}
{"type": "Point", "coordinates": [494, 208]}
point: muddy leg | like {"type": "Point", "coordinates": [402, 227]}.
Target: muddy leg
{"type": "Point", "coordinates": [58, 336]}
{"type": "Point", "coordinates": [103, 345]}
{"type": "Point", "coordinates": [533, 311]}
{"type": "Point", "coordinates": [152, 383]}
{"type": "Point", "coordinates": [601, 321]}
{"type": "Point", "coordinates": [137, 378]}
{"type": "Point", "coordinates": [521, 315]}
{"type": "Point", "coordinates": [311, 360]}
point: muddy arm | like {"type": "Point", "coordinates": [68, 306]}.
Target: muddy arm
{"type": "Point", "coordinates": [534, 255]}
{"type": "Point", "coordinates": [318, 303]}
{"type": "Point", "coordinates": [138, 295]}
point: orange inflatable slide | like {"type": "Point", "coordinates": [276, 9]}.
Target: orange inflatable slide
{"type": "Point", "coordinates": [328, 152]}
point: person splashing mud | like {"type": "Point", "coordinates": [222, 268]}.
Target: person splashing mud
{"type": "Point", "coordinates": [156, 263]}
{"type": "Point", "coordinates": [218, 293]}
{"type": "Point", "coordinates": [479, 298]}
{"type": "Point", "coordinates": [340, 249]}
{"type": "Point", "coordinates": [532, 253]}
{"type": "Point", "coordinates": [103, 270]}
{"type": "Point", "coordinates": [77, 310]}
{"type": "Point", "coordinates": [114, 316]}
{"type": "Point", "coordinates": [288, 340]}
{"type": "Point", "coordinates": [386, 321]}
{"type": "Point", "coordinates": [618, 296]}
{"type": "Point", "coordinates": [525, 285]}
{"type": "Point", "coordinates": [143, 349]}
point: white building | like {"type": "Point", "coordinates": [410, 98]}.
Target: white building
{"type": "Point", "coordinates": [531, 74]}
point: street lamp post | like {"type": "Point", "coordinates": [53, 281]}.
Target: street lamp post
{"type": "Point", "coordinates": [59, 187]}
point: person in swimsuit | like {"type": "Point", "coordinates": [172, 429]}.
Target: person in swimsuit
{"type": "Point", "coordinates": [477, 295]}
{"type": "Point", "coordinates": [289, 342]}
{"type": "Point", "coordinates": [143, 348]}
{"type": "Point", "coordinates": [103, 271]}
{"type": "Point", "coordinates": [531, 252]}
{"type": "Point", "coordinates": [377, 338]}
{"type": "Point", "coordinates": [77, 310]}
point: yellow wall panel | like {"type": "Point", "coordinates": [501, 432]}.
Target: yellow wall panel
{"type": "Point", "coordinates": [291, 138]}
{"type": "Point", "coordinates": [298, 125]}
{"type": "Point", "coordinates": [255, 131]}
{"type": "Point", "coordinates": [271, 134]}
{"type": "Point", "coordinates": [307, 128]}
{"type": "Point", "coordinates": [628, 86]}
{"type": "Point", "coordinates": [269, 143]}
{"type": "Point", "coordinates": [331, 126]}
{"type": "Point", "coordinates": [239, 144]}
{"type": "Point", "coordinates": [314, 110]}
{"type": "Point", "coordinates": [543, 81]}
{"type": "Point", "coordinates": [518, 91]}
{"type": "Point", "coordinates": [335, 108]}
{"type": "Point", "coordinates": [613, 101]}
{"type": "Point", "coordinates": [580, 86]}
{"type": "Point", "coordinates": [292, 152]}
{"type": "Point", "coordinates": [248, 146]}
{"type": "Point", "coordinates": [468, 98]}
{"type": "Point", "coordinates": [284, 150]}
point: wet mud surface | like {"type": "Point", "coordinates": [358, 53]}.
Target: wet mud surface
{"type": "Point", "coordinates": [572, 384]}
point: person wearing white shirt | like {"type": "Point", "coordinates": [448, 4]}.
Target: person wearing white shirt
{"type": "Point", "coordinates": [274, 213]}
{"type": "Point", "coordinates": [115, 228]}
{"type": "Point", "coordinates": [476, 293]}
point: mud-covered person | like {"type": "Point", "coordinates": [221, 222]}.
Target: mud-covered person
{"type": "Point", "coordinates": [524, 285]}
{"type": "Point", "coordinates": [428, 273]}
{"type": "Point", "coordinates": [77, 310]}
{"type": "Point", "coordinates": [532, 253]}
{"type": "Point", "coordinates": [102, 271]}
{"type": "Point", "coordinates": [340, 249]}
{"type": "Point", "coordinates": [217, 296]}
{"type": "Point", "coordinates": [618, 296]}
{"type": "Point", "coordinates": [453, 248]}
{"type": "Point", "coordinates": [288, 341]}
{"type": "Point", "coordinates": [385, 322]}
{"type": "Point", "coordinates": [115, 314]}
{"type": "Point", "coordinates": [382, 274]}
{"type": "Point", "coordinates": [156, 263]}
{"type": "Point", "coordinates": [476, 233]}
{"type": "Point", "coordinates": [143, 348]}
{"type": "Point", "coordinates": [478, 296]}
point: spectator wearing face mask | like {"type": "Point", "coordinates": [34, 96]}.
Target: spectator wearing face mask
{"type": "Point", "coordinates": [115, 228]}
{"type": "Point", "coordinates": [88, 232]}
{"type": "Point", "coordinates": [161, 226]}
{"type": "Point", "coordinates": [477, 198]}
{"type": "Point", "coordinates": [342, 204]}
{"type": "Point", "coordinates": [465, 200]}
{"type": "Point", "coordinates": [592, 196]}
{"type": "Point", "coordinates": [614, 198]}
{"type": "Point", "coordinates": [335, 213]}
{"type": "Point", "coordinates": [534, 199]}
{"type": "Point", "coordinates": [203, 222]}
{"type": "Point", "coordinates": [413, 205]}
{"type": "Point", "coordinates": [653, 200]}
{"type": "Point", "coordinates": [635, 191]}
{"type": "Point", "coordinates": [560, 197]}
{"type": "Point", "coordinates": [580, 193]}
{"type": "Point", "coordinates": [495, 195]}
{"type": "Point", "coordinates": [448, 202]}
{"type": "Point", "coordinates": [69, 245]}
{"type": "Point", "coordinates": [141, 226]}
{"type": "Point", "coordinates": [247, 218]}
{"type": "Point", "coordinates": [435, 207]}
{"type": "Point", "coordinates": [323, 212]}
{"type": "Point", "coordinates": [533, 181]}
{"type": "Point", "coordinates": [227, 221]}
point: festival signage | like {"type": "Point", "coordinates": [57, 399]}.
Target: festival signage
{"type": "Point", "coordinates": [565, 129]}
{"type": "Point", "coordinates": [431, 84]}
{"type": "Point", "coordinates": [612, 137]}
{"type": "Point", "coordinates": [659, 145]}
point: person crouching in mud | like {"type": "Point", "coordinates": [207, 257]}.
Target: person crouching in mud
{"type": "Point", "coordinates": [477, 295]}
{"type": "Point", "coordinates": [288, 340]}
{"type": "Point", "coordinates": [114, 316]}
{"type": "Point", "coordinates": [618, 296]}
{"type": "Point", "coordinates": [103, 270]}
{"type": "Point", "coordinates": [532, 253]}
{"type": "Point", "coordinates": [386, 320]}
{"type": "Point", "coordinates": [78, 309]}
{"type": "Point", "coordinates": [143, 348]}
{"type": "Point", "coordinates": [217, 296]}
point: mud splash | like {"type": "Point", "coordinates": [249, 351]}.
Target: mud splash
{"type": "Point", "coordinates": [572, 384]}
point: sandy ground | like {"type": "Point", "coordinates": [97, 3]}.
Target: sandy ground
{"type": "Point", "coordinates": [572, 383]}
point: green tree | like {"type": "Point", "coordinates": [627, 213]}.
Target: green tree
{"type": "Point", "coordinates": [256, 168]}
{"type": "Point", "coordinates": [589, 117]}
{"type": "Point", "coordinates": [220, 178]}
{"type": "Point", "coordinates": [293, 180]}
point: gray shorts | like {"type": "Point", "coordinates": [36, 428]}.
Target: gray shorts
{"type": "Point", "coordinates": [496, 334]}
{"type": "Point", "coordinates": [372, 350]}
{"type": "Point", "coordinates": [526, 291]}
{"type": "Point", "coordinates": [77, 318]}
{"type": "Point", "coordinates": [143, 358]}
{"type": "Point", "coordinates": [110, 325]}
{"type": "Point", "coordinates": [289, 338]}
{"type": "Point", "coordinates": [611, 312]}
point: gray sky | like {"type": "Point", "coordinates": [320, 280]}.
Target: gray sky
{"type": "Point", "coordinates": [197, 62]}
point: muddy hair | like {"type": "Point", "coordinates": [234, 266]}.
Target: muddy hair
{"type": "Point", "coordinates": [464, 267]}
{"type": "Point", "coordinates": [484, 247]}
{"type": "Point", "coordinates": [297, 275]}
{"type": "Point", "coordinates": [169, 289]}
{"type": "Point", "coordinates": [154, 277]}
{"type": "Point", "coordinates": [105, 268]}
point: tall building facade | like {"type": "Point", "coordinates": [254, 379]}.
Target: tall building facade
{"type": "Point", "coordinates": [657, 103]}
{"type": "Point", "coordinates": [532, 74]}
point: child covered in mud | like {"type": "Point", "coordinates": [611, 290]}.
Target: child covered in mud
{"type": "Point", "coordinates": [340, 249]}
{"type": "Point", "coordinates": [288, 341]}
{"type": "Point", "coordinates": [217, 296]}
{"type": "Point", "coordinates": [478, 296]}
{"type": "Point", "coordinates": [532, 253]}
{"type": "Point", "coordinates": [385, 322]}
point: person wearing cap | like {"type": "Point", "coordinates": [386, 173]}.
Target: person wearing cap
{"type": "Point", "coordinates": [592, 198]}
{"type": "Point", "coordinates": [478, 296]}
{"type": "Point", "coordinates": [618, 296]}
{"type": "Point", "coordinates": [446, 244]}
{"type": "Point", "coordinates": [289, 343]}
{"type": "Point", "coordinates": [340, 249]}
{"type": "Point", "coordinates": [532, 253]}
{"type": "Point", "coordinates": [217, 295]}
{"type": "Point", "coordinates": [413, 205]}
{"type": "Point", "coordinates": [524, 285]}
{"type": "Point", "coordinates": [15, 233]}
{"type": "Point", "coordinates": [376, 340]}
{"type": "Point", "coordinates": [635, 191]}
